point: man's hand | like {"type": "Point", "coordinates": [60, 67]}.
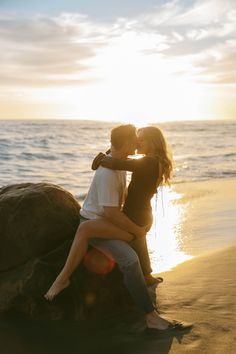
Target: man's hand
{"type": "Point", "coordinates": [118, 218]}
{"type": "Point", "coordinates": [141, 231]}
{"type": "Point", "coordinates": [148, 227]}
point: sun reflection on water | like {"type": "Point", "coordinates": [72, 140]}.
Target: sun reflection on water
{"type": "Point", "coordinates": [165, 237]}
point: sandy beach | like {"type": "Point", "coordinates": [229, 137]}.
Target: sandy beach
{"type": "Point", "coordinates": [201, 290]}
{"type": "Point", "coordinates": [210, 221]}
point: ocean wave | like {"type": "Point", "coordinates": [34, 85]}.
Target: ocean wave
{"type": "Point", "coordinates": [6, 157]}
{"type": "Point", "coordinates": [37, 156]}
{"type": "Point", "coordinates": [231, 154]}
{"type": "Point", "coordinates": [61, 152]}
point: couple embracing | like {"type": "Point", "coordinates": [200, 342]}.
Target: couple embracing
{"type": "Point", "coordinates": [118, 223]}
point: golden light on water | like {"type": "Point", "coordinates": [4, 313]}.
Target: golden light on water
{"type": "Point", "coordinates": [165, 237]}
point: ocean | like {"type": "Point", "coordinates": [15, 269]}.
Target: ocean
{"type": "Point", "coordinates": [61, 152]}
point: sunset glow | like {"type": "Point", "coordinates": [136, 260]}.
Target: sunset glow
{"type": "Point", "coordinates": [166, 61]}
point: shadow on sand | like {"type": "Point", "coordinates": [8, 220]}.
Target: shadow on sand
{"type": "Point", "coordinates": [119, 334]}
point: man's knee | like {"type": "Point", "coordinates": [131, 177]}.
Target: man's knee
{"type": "Point", "coordinates": [123, 254]}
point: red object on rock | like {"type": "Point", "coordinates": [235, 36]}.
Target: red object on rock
{"type": "Point", "coordinates": [97, 261]}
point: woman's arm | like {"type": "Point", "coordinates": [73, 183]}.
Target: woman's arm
{"type": "Point", "coordinates": [115, 164]}
{"type": "Point", "coordinates": [118, 164]}
{"type": "Point", "coordinates": [98, 158]}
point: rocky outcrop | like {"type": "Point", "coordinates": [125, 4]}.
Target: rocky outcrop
{"type": "Point", "coordinates": [37, 226]}
{"type": "Point", "coordinates": [34, 219]}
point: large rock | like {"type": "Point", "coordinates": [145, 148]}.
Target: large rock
{"type": "Point", "coordinates": [34, 219]}
{"type": "Point", "coordinates": [37, 226]}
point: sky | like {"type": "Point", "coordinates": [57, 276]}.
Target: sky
{"type": "Point", "coordinates": [121, 60]}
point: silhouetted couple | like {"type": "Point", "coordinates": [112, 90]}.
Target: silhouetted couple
{"type": "Point", "coordinates": [116, 221]}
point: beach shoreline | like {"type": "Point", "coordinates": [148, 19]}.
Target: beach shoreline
{"type": "Point", "coordinates": [210, 208]}
{"type": "Point", "coordinates": [190, 219]}
{"type": "Point", "coordinates": [202, 290]}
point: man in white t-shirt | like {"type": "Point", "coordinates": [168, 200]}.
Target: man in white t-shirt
{"type": "Point", "coordinates": [107, 191]}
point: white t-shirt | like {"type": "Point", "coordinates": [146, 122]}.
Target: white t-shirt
{"type": "Point", "coordinates": [107, 189]}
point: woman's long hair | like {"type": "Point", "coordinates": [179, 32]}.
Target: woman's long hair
{"type": "Point", "coordinates": [158, 146]}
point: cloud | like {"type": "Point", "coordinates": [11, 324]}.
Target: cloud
{"type": "Point", "coordinates": [218, 64]}
{"type": "Point", "coordinates": [66, 49]}
{"type": "Point", "coordinates": [200, 34]}
{"type": "Point", "coordinates": [203, 13]}
{"type": "Point", "coordinates": [46, 51]}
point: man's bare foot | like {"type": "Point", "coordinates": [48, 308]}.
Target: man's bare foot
{"type": "Point", "coordinates": [58, 285]}
{"type": "Point", "coordinates": [150, 280]}
{"type": "Point", "coordinates": [154, 320]}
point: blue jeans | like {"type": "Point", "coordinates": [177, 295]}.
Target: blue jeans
{"type": "Point", "coordinates": [128, 263]}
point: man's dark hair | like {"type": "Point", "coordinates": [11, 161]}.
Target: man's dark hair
{"type": "Point", "coordinates": [122, 134]}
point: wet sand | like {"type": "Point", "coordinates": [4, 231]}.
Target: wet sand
{"type": "Point", "coordinates": [203, 291]}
